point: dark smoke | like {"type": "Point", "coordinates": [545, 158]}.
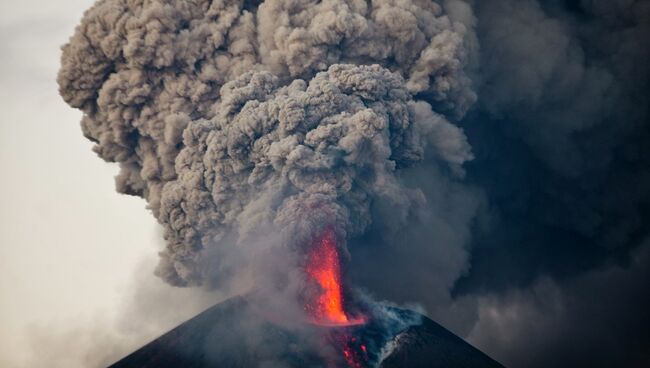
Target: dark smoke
{"type": "Point", "coordinates": [561, 142]}
{"type": "Point", "coordinates": [236, 120]}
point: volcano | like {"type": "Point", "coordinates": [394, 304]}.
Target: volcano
{"type": "Point", "coordinates": [232, 334]}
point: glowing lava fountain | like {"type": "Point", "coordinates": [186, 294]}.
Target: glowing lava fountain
{"type": "Point", "coordinates": [324, 268]}
{"type": "Point", "coordinates": [327, 307]}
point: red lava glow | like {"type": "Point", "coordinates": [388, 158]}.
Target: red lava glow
{"type": "Point", "coordinates": [327, 306]}
{"type": "Point", "coordinates": [323, 267]}
{"type": "Point", "coordinates": [354, 352]}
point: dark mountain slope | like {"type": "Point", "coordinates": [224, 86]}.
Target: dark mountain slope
{"type": "Point", "coordinates": [229, 335]}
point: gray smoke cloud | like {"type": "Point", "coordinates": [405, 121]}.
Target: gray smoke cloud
{"type": "Point", "coordinates": [298, 157]}
{"type": "Point", "coordinates": [228, 117]}
{"type": "Point", "coordinates": [560, 136]}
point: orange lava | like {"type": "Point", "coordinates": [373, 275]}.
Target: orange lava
{"type": "Point", "coordinates": [323, 267]}
{"type": "Point", "coordinates": [326, 307]}
{"type": "Point", "coordinates": [354, 355]}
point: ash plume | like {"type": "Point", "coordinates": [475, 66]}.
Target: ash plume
{"type": "Point", "coordinates": [298, 157]}
{"type": "Point", "coordinates": [229, 116]}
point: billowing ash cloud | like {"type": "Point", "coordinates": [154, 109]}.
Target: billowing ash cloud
{"type": "Point", "coordinates": [297, 157]}
{"type": "Point", "coordinates": [561, 136]}
{"type": "Point", "coordinates": [228, 117]}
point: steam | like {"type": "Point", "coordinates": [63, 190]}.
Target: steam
{"type": "Point", "coordinates": [228, 117]}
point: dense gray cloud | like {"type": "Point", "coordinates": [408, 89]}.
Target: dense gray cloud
{"type": "Point", "coordinates": [297, 158]}
{"type": "Point", "coordinates": [568, 127]}
{"type": "Point", "coordinates": [560, 138]}
{"type": "Point", "coordinates": [142, 70]}
{"type": "Point", "coordinates": [217, 150]}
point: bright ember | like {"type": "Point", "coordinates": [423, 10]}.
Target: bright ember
{"type": "Point", "coordinates": [323, 267]}
{"type": "Point", "coordinates": [327, 306]}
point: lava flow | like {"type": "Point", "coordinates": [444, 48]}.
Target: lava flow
{"type": "Point", "coordinates": [323, 267]}
{"type": "Point", "coordinates": [327, 306]}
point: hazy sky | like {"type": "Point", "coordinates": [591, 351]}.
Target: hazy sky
{"type": "Point", "coordinates": [69, 244]}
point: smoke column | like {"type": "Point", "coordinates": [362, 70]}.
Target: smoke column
{"type": "Point", "coordinates": [229, 117]}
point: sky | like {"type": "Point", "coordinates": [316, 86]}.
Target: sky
{"type": "Point", "coordinates": [70, 246]}
{"type": "Point", "coordinates": [547, 231]}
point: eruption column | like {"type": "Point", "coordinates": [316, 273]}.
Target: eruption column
{"type": "Point", "coordinates": [327, 306]}
{"type": "Point", "coordinates": [323, 267]}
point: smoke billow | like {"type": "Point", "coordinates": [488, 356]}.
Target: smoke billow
{"type": "Point", "coordinates": [560, 135]}
{"type": "Point", "coordinates": [299, 158]}
{"type": "Point", "coordinates": [228, 117]}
